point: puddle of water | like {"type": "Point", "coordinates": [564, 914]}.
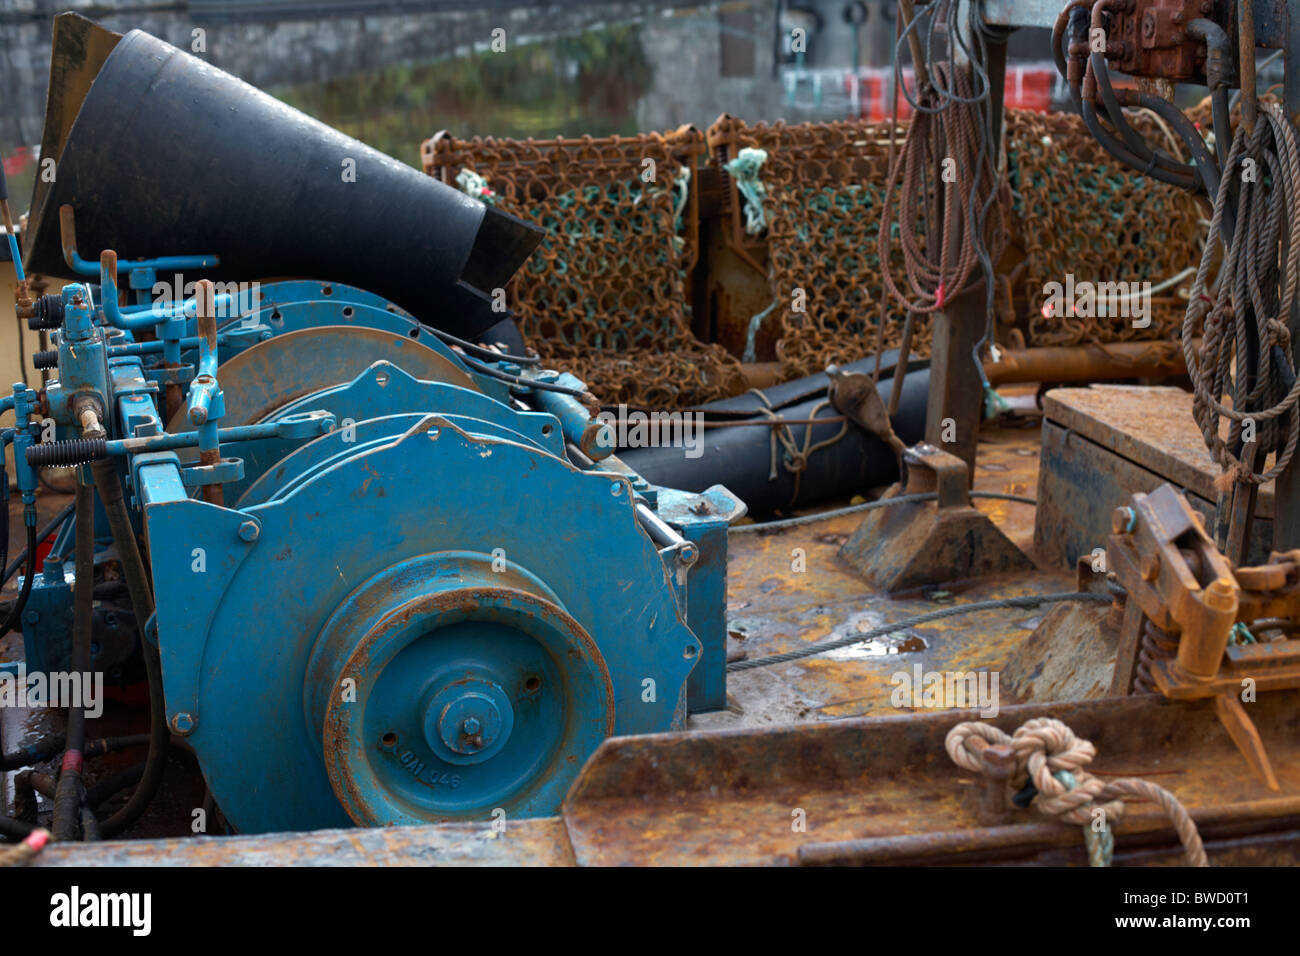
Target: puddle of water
{"type": "Point", "coordinates": [900, 642]}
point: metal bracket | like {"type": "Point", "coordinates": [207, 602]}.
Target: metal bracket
{"type": "Point", "coordinates": [914, 544]}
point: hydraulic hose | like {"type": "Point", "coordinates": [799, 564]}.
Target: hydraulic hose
{"type": "Point", "coordinates": [55, 523]}
{"type": "Point", "coordinates": [52, 746]}
{"type": "Point", "coordinates": [15, 614]}
{"type": "Point", "coordinates": [137, 583]}
{"type": "Point", "coordinates": [67, 796]}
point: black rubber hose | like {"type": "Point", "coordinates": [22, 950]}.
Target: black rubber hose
{"type": "Point", "coordinates": [97, 795]}
{"type": "Point", "coordinates": [15, 614]}
{"type": "Point", "coordinates": [65, 454]}
{"type": "Point", "coordinates": [137, 583]}
{"type": "Point", "coordinates": [1122, 153]}
{"type": "Point", "coordinates": [1186, 130]}
{"type": "Point", "coordinates": [55, 523]}
{"type": "Point", "coordinates": [1078, 32]}
{"type": "Point", "coordinates": [1218, 55]}
{"type": "Point", "coordinates": [1132, 138]}
{"type": "Point", "coordinates": [518, 380]}
{"type": "Point", "coordinates": [90, 831]}
{"type": "Point", "coordinates": [68, 795]}
{"type": "Point", "coordinates": [52, 746]}
{"type": "Point", "coordinates": [482, 351]}
{"type": "Point", "coordinates": [1222, 117]}
{"type": "Point", "coordinates": [15, 829]}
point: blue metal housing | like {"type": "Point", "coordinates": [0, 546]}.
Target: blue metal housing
{"type": "Point", "coordinates": [406, 604]}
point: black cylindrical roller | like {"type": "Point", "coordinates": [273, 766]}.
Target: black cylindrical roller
{"type": "Point", "coordinates": [46, 358]}
{"type": "Point", "coordinates": [741, 457]}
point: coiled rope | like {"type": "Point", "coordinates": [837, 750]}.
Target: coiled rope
{"type": "Point", "coordinates": [1250, 362]}
{"type": "Point", "coordinates": [1049, 755]}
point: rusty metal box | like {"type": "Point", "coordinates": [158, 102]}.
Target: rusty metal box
{"type": "Point", "coordinates": [1104, 443]}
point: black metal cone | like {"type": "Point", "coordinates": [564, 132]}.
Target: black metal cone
{"type": "Point", "coordinates": [171, 156]}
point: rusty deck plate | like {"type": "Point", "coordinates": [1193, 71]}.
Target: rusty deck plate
{"type": "Point", "coordinates": [821, 736]}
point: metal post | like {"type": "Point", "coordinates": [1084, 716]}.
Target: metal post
{"type": "Point", "coordinates": [956, 393]}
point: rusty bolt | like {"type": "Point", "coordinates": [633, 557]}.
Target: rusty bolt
{"type": "Point", "coordinates": [1207, 6]}
{"type": "Point", "coordinates": [1221, 595]}
{"type": "Point", "coordinates": [1122, 520]}
{"type": "Point", "coordinates": [183, 724]}
{"type": "Point", "coordinates": [1149, 566]}
{"type": "Point", "coordinates": [1178, 17]}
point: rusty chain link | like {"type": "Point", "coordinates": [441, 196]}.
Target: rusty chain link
{"type": "Point", "coordinates": [604, 294]}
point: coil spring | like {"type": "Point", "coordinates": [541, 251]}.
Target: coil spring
{"type": "Point", "coordinates": [1157, 645]}
{"type": "Point", "coordinates": [63, 454]}
{"type": "Point", "coordinates": [46, 358]}
{"type": "Point", "coordinates": [47, 313]}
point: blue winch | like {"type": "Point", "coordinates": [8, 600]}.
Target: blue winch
{"type": "Point", "coordinates": [396, 580]}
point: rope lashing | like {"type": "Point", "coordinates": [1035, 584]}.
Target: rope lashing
{"type": "Point", "coordinates": [1049, 756]}
{"type": "Point", "coordinates": [796, 458]}
{"type": "Point", "coordinates": [744, 169]}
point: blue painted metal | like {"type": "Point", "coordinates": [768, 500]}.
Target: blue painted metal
{"type": "Point", "coordinates": [592, 437]}
{"type": "Point", "coordinates": [426, 613]}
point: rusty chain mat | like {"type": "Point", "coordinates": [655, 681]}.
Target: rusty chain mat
{"type": "Point", "coordinates": [604, 294]}
{"type": "Point", "coordinates": [1076, 211]}
{"type": "Point", "coordinates": [824, 185]}
{"type": "Point", "coordinates": [1084, 213]}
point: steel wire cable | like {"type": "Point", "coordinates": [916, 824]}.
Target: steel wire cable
{"type": "Point", "coordinates": [821, 647]}
{"type": "Point", "coordinates": [871, 506]}
{"type": "Point", "coordinates": [1250, 362]}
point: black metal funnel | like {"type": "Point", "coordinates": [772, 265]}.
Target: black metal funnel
{"type": "Point", "coordinates": [169, 156]}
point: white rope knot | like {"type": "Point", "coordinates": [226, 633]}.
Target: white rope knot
{"type": "Point", "coordinates": [1044, 747]}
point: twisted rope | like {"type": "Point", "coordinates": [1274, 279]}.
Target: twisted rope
{"type": "Point", "coordinates": [24, 852]}
{"type": "Point", "coordinates": [1252, 278]}
{"type": "Point", "coordinates": [1052, 758]}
